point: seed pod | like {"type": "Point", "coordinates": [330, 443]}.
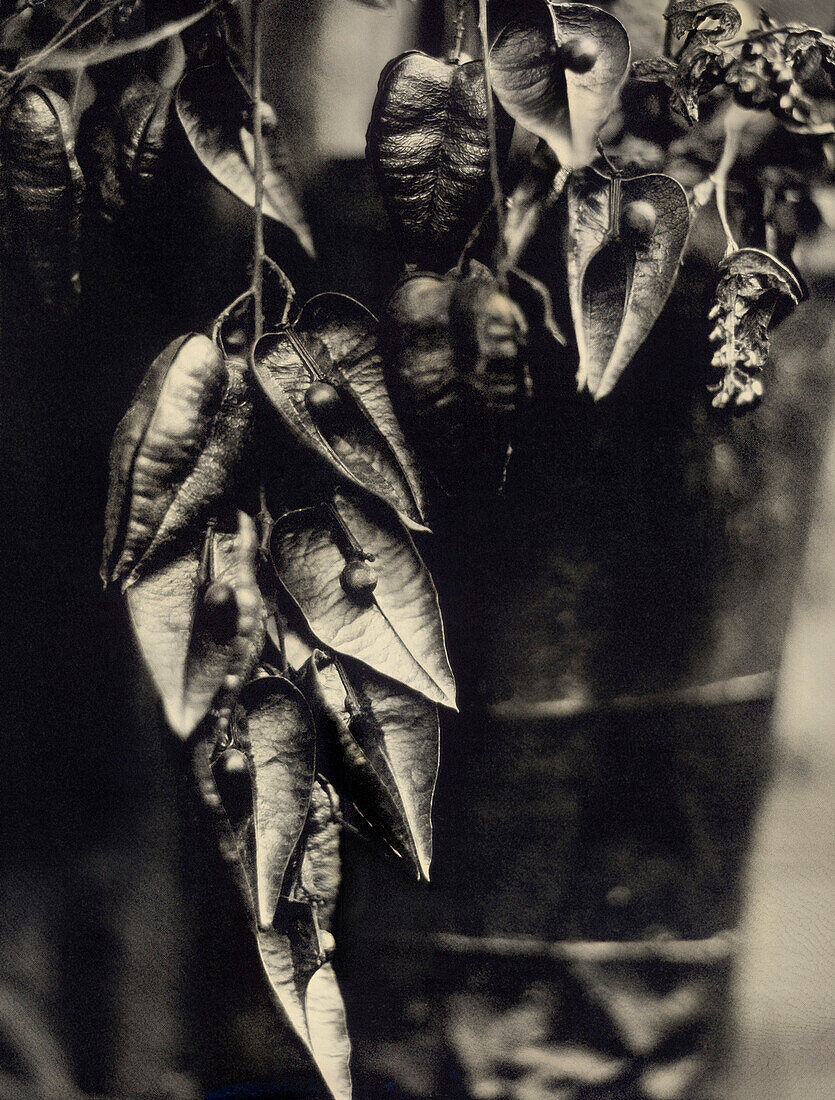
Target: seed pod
{"type": "Point", "coordinates": [157, 445]}
{"type": "Point", "coordinates": [121, 140]}
{"type": "Point", "coordinates": [427, 145]}
{"type": "Point", "coordinates": [454, 354]}
{"type": "Point", "coordinates": [324, 377]}
{"type": "Point", "coordinates": [624, 243]}
{"type": "Point", "coordinates": [43, 187]}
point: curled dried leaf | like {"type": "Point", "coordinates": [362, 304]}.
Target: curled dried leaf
{"type": "Point", "coordinates": [559, 73]}
{"type": "Point", "coordinates": [427, 144]}
{"type": "Point", "coordinates": [355, 575]}
{"type": "Point", "coordinates": [785, 71]}
{"type": "Point", "coordinates": [385, 750]}
{"type": "Point", "coordinates": [752, 284]}
{"type": "Point", "coordinates": [716, 21]}
{"type": "Point", "coordinates": [42, 188]}
{"type": "Point", "coordinates": [324, 377]}
{"type": "Point", "coordinates": [188, 659]}
{"type": "Point", "coordinates": [215, 110]}
{"type": "Point", "coordinates": [625, 239]}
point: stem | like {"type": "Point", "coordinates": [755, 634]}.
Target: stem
{"type": "Point", "coordinates": [498, 196]}
{"type": "Point", "coordinates": [258, 168]}
{"type": "Point", "coordinates": [460, 29]}
{"type": "Point", "coordinates": [733, 135]}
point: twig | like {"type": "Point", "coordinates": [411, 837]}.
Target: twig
{"type": "Point", "coordinates": [258, 169]}
{"type": "Point", "coordinates": [460, 29]}
{"type": "Point", "coordinates": [53, 58]}
{"type": "Point", "coordinates": [717, 948]}
{"type": "Point", "coordinates": [66, 32]}
{"type": "Point", "coordinates": [498, 196]}
{"type": "Point", "coordinates": [730, 151]}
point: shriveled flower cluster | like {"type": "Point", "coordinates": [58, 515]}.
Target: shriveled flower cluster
{"type": "Point", "coordinates": [751, 285]}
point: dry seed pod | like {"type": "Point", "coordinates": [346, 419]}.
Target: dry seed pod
{"type": "Point", "coordinates": [427, 145]}
{"type": "Point", "coordinates": [385, 742]}
{"type": "Point", "coordinates": [624, 243]}
{"type": "Point", "coordinates": [558, 71]}
{"type": "Point", "coordinates": [177, 452]}
{"type": "Point", "coordinates": [187, 659]}
{"type": "Point", "coordinates": [455, 367]}
{"type": "Point", "coordinates": [395, 628]}
{"type": "Point", "coordinates": [43, 187]}
{"type": "Point", "coordinates": [323, 375]}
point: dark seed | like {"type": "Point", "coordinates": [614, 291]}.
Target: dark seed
{"type": "Point", "coordinates": [639, 218]}
{"type": "Point", "coordinates": [579, 54]}
{"type": "Point", "coordinates": [359, 580]}
{"type": "Point", "coordinates": [220, 611]}
{"type": "Point", "coordinates": [321, 399]}
{"type": "Point", "coordinates": [231, 772]}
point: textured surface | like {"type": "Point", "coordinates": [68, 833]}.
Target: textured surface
{"type": "Point", "coordinates": [280, 741]}
{"type": "Point", "coordinates": [41, 187]}
{"type": "Point", "coordinates": [214, 107]}
{"type": "Point", "coordinates": [399, 632]}
{"type": "Point", "coordinates": [566, 108]}
{"type": "Point", "coordinates": [619, 286]}
{"type": "Point", "coordinates": [387, 761]}
{"type": "Point", "coordinates": [334, 340]}
{"type": "Point", "coordinates": [427, 144]}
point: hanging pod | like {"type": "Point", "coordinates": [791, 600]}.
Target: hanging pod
{"type": "Point", "coordinates": [189, 658]}
{"type": "Point", "coordinates": [179, 450]}
{"type": "Point", "coordinates": [384, 745]}
{"type": "Point", "coordinates": [427, 144]}
{"type": "Point", "coordinates": [42, 187]}
{"type": "Point", "coordinates": [294, 947]}
{"type": "Point", "coordinates": [215, 110]}
{"type": "Point", "coordinates": [455, 349]}
{"type": "Point", "coordinates": [323, 375]}
{"type": "Point", "coordinates": [393, 626]}
{"type": "Point", "coordinates": [624, 243]}
{"type": "Point", "coordinates": [558, 71]}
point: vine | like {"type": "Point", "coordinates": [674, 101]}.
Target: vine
{"type": "Point", "coordinates": [262, 468]}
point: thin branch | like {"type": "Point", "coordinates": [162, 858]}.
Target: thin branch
{"type": "Point", "coordinates": [498, 196]}
{"type": "Point", "coordinates": [730, 151]}
{"type": "Point", "coordinates": [757, 687]}
{"type": "Point", "coordinates": [258, 169]}
{"type": "Point", "coordinates": [460, 29]}
{"type": "Point", "coordinates": [715, 949]}
{"type": "Point", "coordinates": [64, 34]}
{"type": "Point", "coordinates": [52, 58]}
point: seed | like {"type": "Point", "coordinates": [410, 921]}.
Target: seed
{"type": "Point", "coordinates": [359, 581]}
{"type": "Point", "coordinates": [220, 611]}
{"type": "Point", "coordinates": [322, 399]}
{"type": "Point", "coordinates": [639, 218]}
{"type": "Point", "coordinates": [231, 772]}
{"type": "Point", "coordinates": [579, 55]}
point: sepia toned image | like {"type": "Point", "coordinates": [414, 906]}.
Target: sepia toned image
{"type": "Point", "coordinates": [418, 473]}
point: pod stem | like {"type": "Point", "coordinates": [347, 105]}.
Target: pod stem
{"type": "Point", "coordinates": [258, 170]}
{"type": "Point", "coordinates": [460, 29]}
{"type": "Point", "coordinates": [498, 195]}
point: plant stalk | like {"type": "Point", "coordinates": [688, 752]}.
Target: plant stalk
{"type": "Point", "coordinates": [498, 195]}
{"type": "Point", "coordinates": [460, 28]}
{"type": "Point", "coordinates": [258, 169]}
